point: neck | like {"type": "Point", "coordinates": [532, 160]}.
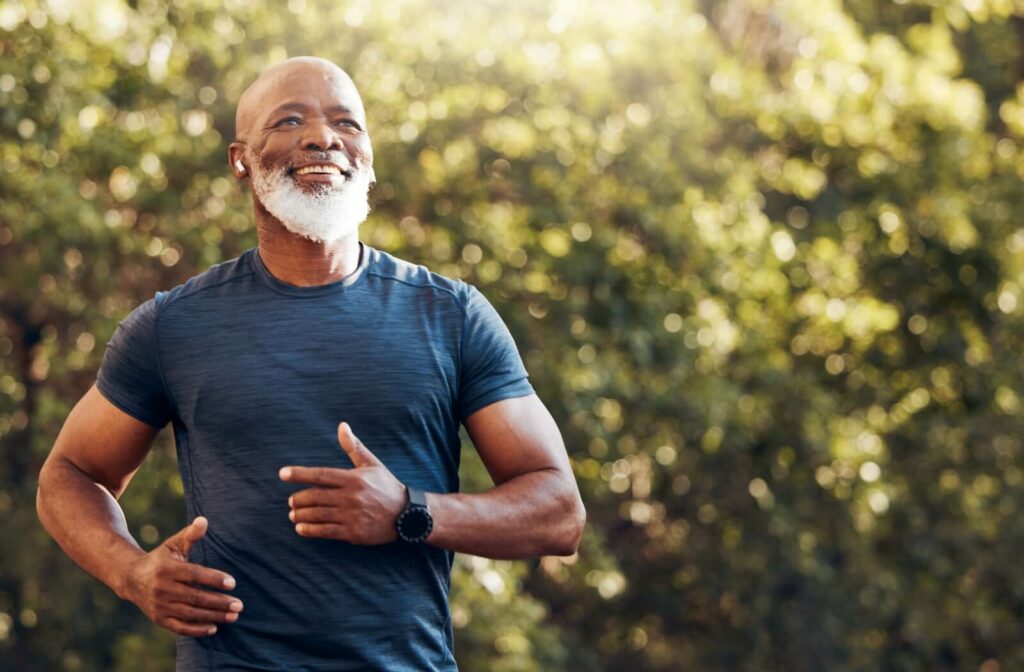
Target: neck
{"type": "Point", "coordinates": [302, 262]}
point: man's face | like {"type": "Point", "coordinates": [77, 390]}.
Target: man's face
{"type": "Point", "coordinates": [309, 153]}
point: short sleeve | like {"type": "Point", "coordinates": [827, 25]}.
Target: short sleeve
{"type": "Point", "coordinates": [491, 368]}
{"type": "Point", "coordinates": [129, 376]}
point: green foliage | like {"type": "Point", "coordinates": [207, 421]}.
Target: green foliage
{"type": "Point", "coordinates": [764, 262]}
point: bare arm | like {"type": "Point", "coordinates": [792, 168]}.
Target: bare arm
{"type": "Point", "coordinates": [535, 507]}
{"type": "Point", "coordinates": [97, 452]}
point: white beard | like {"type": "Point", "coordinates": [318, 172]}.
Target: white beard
{"type": "Point", "coordinates": [323, 216]}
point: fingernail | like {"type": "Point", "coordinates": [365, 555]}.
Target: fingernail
{"type": "Point", "coordinates": [291, 501]}
{"type": "Point", "coordinates": [232, 617]}
{"type": "Point", "coordinates": [212, 630]}
{"type": "Point", "coordinates": [286, 472]}
{"type": "Point", "coordinates": [235, 606]}
{"type": "Point", "coordinates": [291, 516]}
{"type": "Point", "coordinates": [229, 582]}
{"type": "Point", "coordinates": [300, 528]}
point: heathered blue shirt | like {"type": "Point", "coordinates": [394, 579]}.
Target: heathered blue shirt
{"type": "Point", "coordinates": [256, 374]}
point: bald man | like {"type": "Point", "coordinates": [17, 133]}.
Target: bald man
{"type": "Point", "coordinates": [316, 387]}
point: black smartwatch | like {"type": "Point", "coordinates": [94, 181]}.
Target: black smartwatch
{"type": "Point", "coordinates": [414, 523]}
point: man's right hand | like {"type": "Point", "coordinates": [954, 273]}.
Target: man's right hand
{"type": "Point", "coordinates": [161, 582]}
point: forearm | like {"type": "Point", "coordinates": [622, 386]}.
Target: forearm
{"type": "Point", "coordinates": [86, 521]}
{"type": "Point", "coordinates": [534, 514]}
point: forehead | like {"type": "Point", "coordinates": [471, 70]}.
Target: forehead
{"type": "Point", "coordinates": [309, 85]}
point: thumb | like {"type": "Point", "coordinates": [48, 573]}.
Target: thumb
{"type": "Point", "coordinates": [355, 449]}
{"type": "Point", "coordinates": [182, 542]}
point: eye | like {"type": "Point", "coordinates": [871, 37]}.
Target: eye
{"type": "Point", "coordinates": [285, 121]}
{"type": "Point", "coordinates": [350, 123]}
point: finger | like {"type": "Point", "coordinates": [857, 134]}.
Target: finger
{"type": "Point", "coordinates": [315, 514]}
{"type": "Point", "coordinates": [192, 573]}
{"type": "Point", "coordinates": [192, 614]}
{"type": "Point", "coordinates": [356, 449]}
{"type": "Point", "coordinates": [183, 541]}
{"type": "Point", "coordinates": [206, 599]}
{"type": "Point", "coordinates": [329, 476]}
{"type": "Point", "coordinates": [189, 629]}
{"type": "Point", "coordinates": [313, 497]}
{"type": "Point", "coordinates": [322, 530]}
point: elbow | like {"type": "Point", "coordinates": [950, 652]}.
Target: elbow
{"type": "Point", "coordinates": [42, 490]}
{"type": "Point", "coordinates": [571, 531]}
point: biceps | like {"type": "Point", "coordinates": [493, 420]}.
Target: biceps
{"type": "Point", "coordinates": [516, 436]}
{"type": "Point", "coordinates": [103, 441]}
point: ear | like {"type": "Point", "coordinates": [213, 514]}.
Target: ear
{"type": "Point", "coordinates": [236, 159]}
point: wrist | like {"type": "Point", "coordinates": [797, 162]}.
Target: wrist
{"type": "Point", "coordinates": [415, 522]}
{"type": "Point", "coordinates": [121, 578]}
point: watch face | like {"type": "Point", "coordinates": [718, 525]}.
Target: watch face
{"type": "Point", "coordinates": [415, 523]}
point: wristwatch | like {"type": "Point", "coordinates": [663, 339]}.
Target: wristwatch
{"type": "Point", "coordinates": [414, 523]}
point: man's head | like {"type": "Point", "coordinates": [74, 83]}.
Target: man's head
{"type": "Point", "coordinates": [300, 134]}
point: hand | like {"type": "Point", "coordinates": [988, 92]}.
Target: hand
{"type": "Point", "coordinates": [160, 583]}
{"type": "Point", "coordinates": [354, 505]}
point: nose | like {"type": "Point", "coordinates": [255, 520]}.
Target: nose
{"type": "Point", "coordinates": [320, 136]}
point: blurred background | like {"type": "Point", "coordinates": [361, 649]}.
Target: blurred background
{"type": "Point", "coordinates": [764, 262]}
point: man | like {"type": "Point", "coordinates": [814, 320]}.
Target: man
{"type": "Point", "coordinates": [315, 386]}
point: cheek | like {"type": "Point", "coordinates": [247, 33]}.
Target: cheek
{"type": "Point", "coordinates": [360, 148]}
{"type": "Point", "coordinates": [278, 147]}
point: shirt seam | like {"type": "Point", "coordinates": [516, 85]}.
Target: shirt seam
{"type": "Point", "coordinates": [197, 290]}
{"type": "Point", "coordinates": [160, 360]}
{"type": "Point", "coordinates": [458, 375]}
{"type": "Point", "coordinates": [462, 332]}
{"type": "Point", "coordinates": [446, 290]}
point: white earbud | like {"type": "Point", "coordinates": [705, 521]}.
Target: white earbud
{"type": "Point", "coordinates": [241, 168]}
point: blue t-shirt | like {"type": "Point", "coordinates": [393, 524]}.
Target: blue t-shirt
{"type": "Point", "coordinates": [256, 374]}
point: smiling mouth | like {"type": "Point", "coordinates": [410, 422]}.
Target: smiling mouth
{"type": "Point", "coordinates": [319, 173]}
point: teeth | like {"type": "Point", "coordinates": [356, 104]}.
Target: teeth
{"type": "Point", "coordinates": [328, 170]}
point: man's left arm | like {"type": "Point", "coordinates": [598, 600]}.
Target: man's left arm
{"type": "Point", "coordinates": [535, 507]}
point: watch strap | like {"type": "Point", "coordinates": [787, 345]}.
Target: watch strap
{"type": "Point", "coordinates": [417, 497]}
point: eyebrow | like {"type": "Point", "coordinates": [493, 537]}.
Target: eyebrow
{"type": "Point", "coordinates": [299, 107]}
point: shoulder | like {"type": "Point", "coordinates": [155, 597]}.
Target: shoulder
{"type": "Point", "coordinates": [217, 275]}
{"type": "Point", "coordinates": [418, 277]}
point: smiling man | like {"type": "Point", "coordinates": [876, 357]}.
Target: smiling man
{"type": "Point", "coordinates": [316, 387]}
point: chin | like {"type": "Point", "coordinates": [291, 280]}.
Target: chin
{"type": "Point", "coordinates": [323, 215]}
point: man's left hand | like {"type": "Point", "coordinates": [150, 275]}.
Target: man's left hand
{"type": "Point", "coordinates": [355, 505]}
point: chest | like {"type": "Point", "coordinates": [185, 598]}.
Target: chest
{"type": "Point", "coordinates": [288, 377]}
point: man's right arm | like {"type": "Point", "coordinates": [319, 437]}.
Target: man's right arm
{"type": "Point", "coordinates": [97, 452]}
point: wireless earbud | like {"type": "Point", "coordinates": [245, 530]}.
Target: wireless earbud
{"type": "Point", "coordinates": [240, 166]}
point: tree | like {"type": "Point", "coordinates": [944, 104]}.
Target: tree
{"type": "Point", "coordinates": [763, 261]}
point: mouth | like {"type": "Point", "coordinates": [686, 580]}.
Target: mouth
{"type": "Point", "coordinates": [319, 172]}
